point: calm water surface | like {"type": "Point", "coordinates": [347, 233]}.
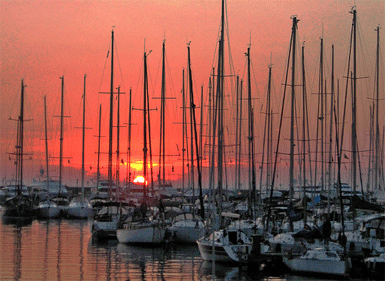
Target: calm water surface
{"type": "Point", "coordinates": [64, 250]}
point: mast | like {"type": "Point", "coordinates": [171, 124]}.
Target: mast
{"type": "Point", "coordinates": [145, 125]}
{"type": "Point", "coordinates": [267, 136]}
{"type": "Point", "coordinates": [161, 172]}
{"type": "Point", "coordinates": [99, 136]}
{"type": "Point", "coordinates": [291, 169]}
{"type": "Point", "coordinates": [183, 132]}
{"type": "Point", "coordinates": [322, 117]}
{"type": "Point", "coordinates": [162, 154]}
{"type": "Point", "coordinates": [83, 129]}
{"type": "Point", "coordinates": [304, 133]}
{"type": "Point", "coordinates": [240, 135]}
{"type": "Point", "coordinates": [331, 129]}
{"type": "Point", "coordinates": [128, 177]}
{"type": "Point", "coordinates": [110, 135]}
{"type": "Point", "coordinates": [194, 136]}
{"type": "Point", "coordinates": [20, 144]}
{"type": "Point", "coordinates": [220, 95]}
{"type": "Point", "coordinates": [61, 133]}
{"type": "Point", "coordinates": [377, 137]}
{"type": "Point", "coordinates": [192, 172]}
{"type": "Point", "coordinates": [46, 142]}
{"type": "Point", "coordinates": [237, 147]}
{"type": "Point", "coordinates": [252, 178]}
{"type": "Point", "coordinates": [118, 144]}
{"type": "Point", "coordinates": [354, 104]}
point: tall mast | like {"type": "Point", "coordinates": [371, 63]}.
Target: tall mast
{"type": "Point", "coordinates": [162, 152]}
{"type": "Point", "coordinates": [99, 136]}
{"type": "Point", "coordinates": [354, 102]}
{"type": "Point", "coordinates": [252, 178]}
{"type": "Point", "coordinates": [128, 177]}
{"type": "Point", "coordinates": [237, 137]}
{"type": "Point", "coordinates": [118, 144]}
{"type": "Point", "coordinates": [304, 132]}
{"type": "Point", "coordinates": [145, 89]}
{"type": "Point", "coordinates": [46, 142]}
{"type": "Point", "coordinates": [61, 133]}
{"type": "Point", "coordinates": [331, 129]}
{"type": "Point", "coordinates": [220, 95]}
{"type": "Point", "coordinates": [267, 137]}
{"type": "Point", "coordinates": [194, 135]}
{"type": "Point", "coordinates": [240, 135]}
{"type": "Point", "coordinates": [377, 140]}
{"type": "Point", "coordinates": [322, 117]}
{"type": "Point", "coordinates": [83, 129]}
{"type": "Point", "coordinates": [20, 143]}
{"type": "Point", "coordinates": [183, 132]}
{"type": "Point", "coordinates": [111, 118]}
{"type": "Point", "coordinates": [291, 169]}
{"type": "Point", "coordinates": [190, 88]}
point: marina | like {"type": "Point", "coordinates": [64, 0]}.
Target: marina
{"type": "Point", "coordinates": [65, 250]}
{"type": "Point", "coordinates": [203, 182]}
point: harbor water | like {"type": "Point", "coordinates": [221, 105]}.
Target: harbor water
{"type": "Point", "coordinates": [65, 250]}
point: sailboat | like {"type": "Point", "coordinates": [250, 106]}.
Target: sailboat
{"type": "Point", "coordinates": [46, 207]}
{"type": "Point", "coordinates": [81, 209]}
{"type": "Point", "coordinates": [19, 207]}
{"type": "Point", "coordinates": [141, 229]}
{"type": "Point", "coordinates": [105, 222]}
{"type": "Point", "coordinates": [61, 198]}
{"type": "Point", "coordinates": [224, 244]}
{"type": "Point", "coordinates": [189, 227]}
{"type": "Point", "coordinates": [318, 260]}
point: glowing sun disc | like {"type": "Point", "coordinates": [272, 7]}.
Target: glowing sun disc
{"type": "Point", "coordinates": [139, 179]}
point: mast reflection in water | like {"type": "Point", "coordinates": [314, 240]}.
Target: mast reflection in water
{"type": "Point", "coordinates": [64, 250]}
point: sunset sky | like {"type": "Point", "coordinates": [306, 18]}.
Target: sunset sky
{"type": "Point", "coordinates": [44, 40]}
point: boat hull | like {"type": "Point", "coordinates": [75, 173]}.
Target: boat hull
{"type": "Point", "coordinates": [316, 266]}
{"type": "Point", "coordinates": [186, 231]}
{"type": "Point", "coordinates": [104, 229]}
{"type": "Point", "coordinates": [141, 234]}
{"type": "Point", "coordinates": [48, 212]}
{"type": "Point", "coordinates": [223, 253]}
{"type": "Point", "coordinates": [79, 210]}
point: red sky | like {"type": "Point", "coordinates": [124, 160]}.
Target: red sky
{"type": "Point", "coordinates": [43, 40]}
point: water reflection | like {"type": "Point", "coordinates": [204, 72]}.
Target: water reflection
{"type": "Point", "coordinates": [45, 261]}
{"type": "Point", "coordinates": [17, 252]}
{"type": "Point", "coordinates": [64, 250]}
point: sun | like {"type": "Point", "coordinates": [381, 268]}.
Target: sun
{"type": "Point", "coordinates": [140, 179]}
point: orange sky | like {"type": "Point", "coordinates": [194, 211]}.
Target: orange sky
{"type": "Point", "coordinates": [43, 40]}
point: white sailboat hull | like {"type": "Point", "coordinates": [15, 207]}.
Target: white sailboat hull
{"type": "Point", "coordinates": [104, 229]}
{"type": "Point", "coordinates": [212, 251]}
{"type": "Point", "coordinates": [316, 266]}
{"type": "Point", "coordinates": [187, 231]}
{"type": "Point", "coordinates": [48, 210]}
{"type": "Point", "coordinates": [80, 210]}
{"type": "Point", "coordinates": [146, 233]}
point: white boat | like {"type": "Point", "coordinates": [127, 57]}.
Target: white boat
{"type": "Point", "coordinates": [225, 245]}
{"type": "Point", "coordinates": [318, 261]}
{"type": "Point", "coordinates": [80, 209]}
{"type": "Point", "coordinates": [105, 222]}
{"type": "Point", "coordinates": [141, 232]}
{"type": "Point", "coordinates": [370, 235]}
{"type": "Point", "coordinates": [186, 228]}
{"type": "Point", "coordinates": [48, 209]}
